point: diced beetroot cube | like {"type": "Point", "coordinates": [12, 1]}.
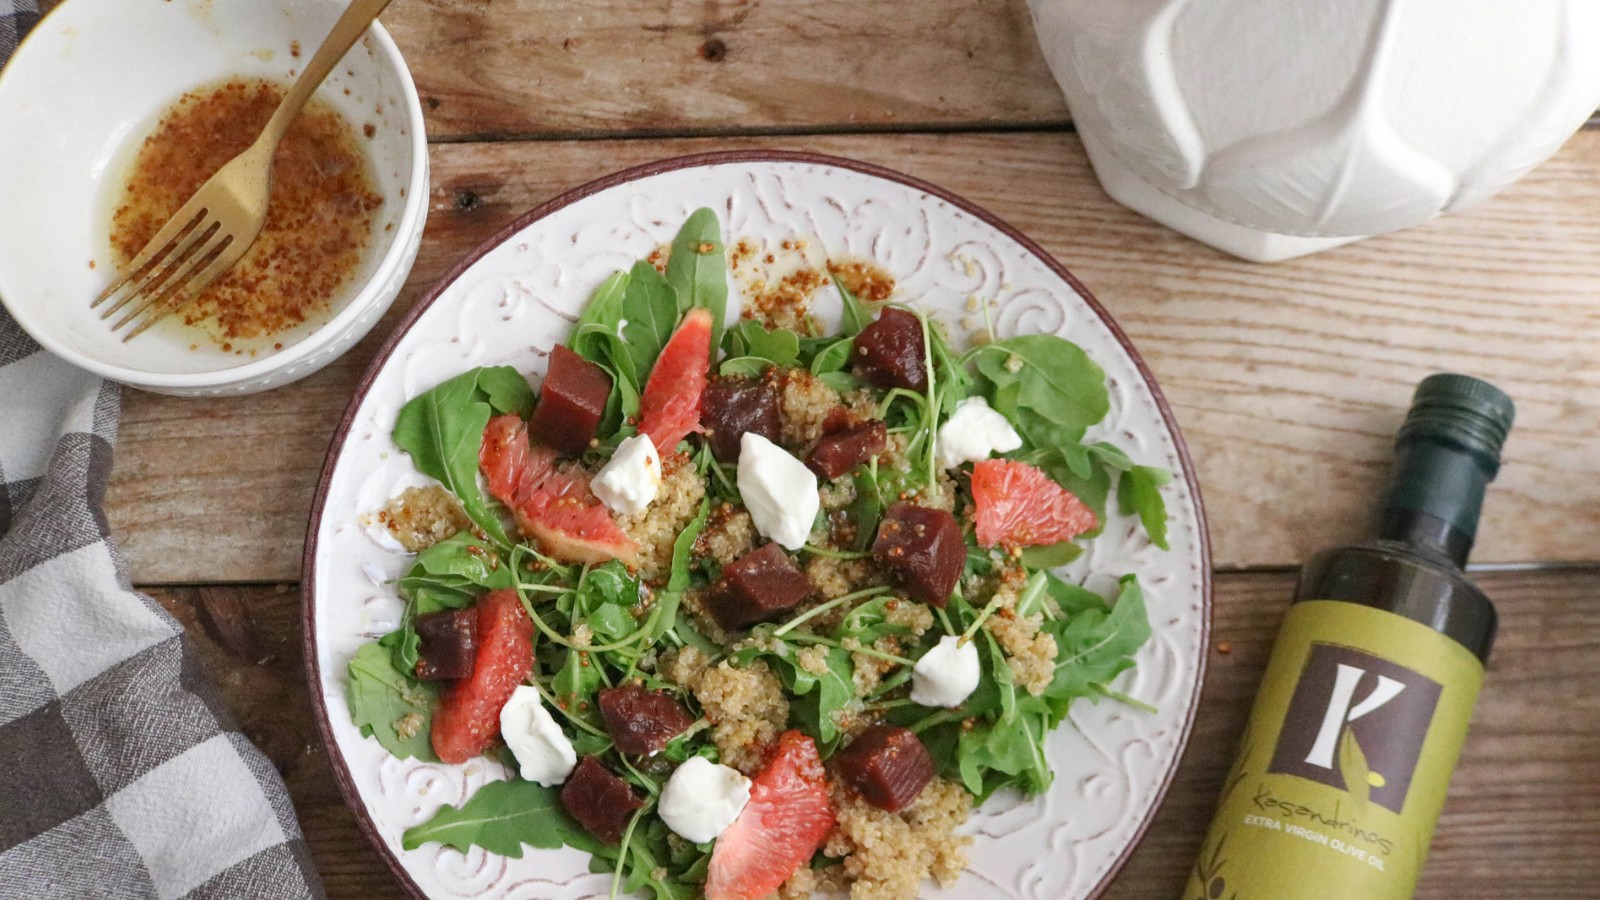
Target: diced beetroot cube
{"type": "Point", "coordinates": [571, 402]}
{"type": "Point", "coordinates": [888, 765]}
{"type": "Point", "coordinates": [890, 352]}
{"type": "Point", "coordinates": [732, 406]}
{"type": "Point", "coordinates": [838, 453]}
{"type": "Point", "coordinates": [640, 721]}
{"type": "Point", "coordinates": [600, 801]}
{"type": "Point", "coordinates": [757, 587]}
{"type": "Point", "coordinates": [924, 547]}
{"type": "Point", "coordinates": [447, 644]}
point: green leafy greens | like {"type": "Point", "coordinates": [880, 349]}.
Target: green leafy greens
{"type": "Point", "coordinates": [841, 661]}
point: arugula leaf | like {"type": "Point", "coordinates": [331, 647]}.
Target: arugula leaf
{"type": "Point", "coordinates": [1095, 645]}
{"type": "Point", "coordinates": [683, 547]}
{"type": "Point", "coordinates": [449, 575]}
{"type": "Point", "coordinates": [1047, 386]}
{"type": "Point", "coordinates": [442, 429]}
{"type": "Point", "coordinates": [842, 382]}
{"type": "Point", "coordinates": [854, 316]}
{"type": "Point", "coordinates": [501, 817]}
{"type": "Point", "coordinates": [576, 680]}
{"type": "Point", "coordinates": [1012, 756]}
{"type": "Point", "coordinates": [833, 358]}
{"type": "Point", "coordinates": [744, 367]}
{"type": "Point", "coordinates": [670, 869]}
{"type": "Point", "coordinates": [1071, 598]}
{"type": "Point", "coordinates": [622, 330]}
{"type": "Point", "coordinates": [698, 269]}
{"type": "Point", "coordinates": [815, 696]}
{"type": "Point", "coordinates": [507, 390]}
{"type": "Point", "coordinates": [604, 307]}
{"type": "Point", "coordinates": [650, 313]}
{"type": "Point", "coordinates": [381, 696]}
{"type": "Point", "coordinates": [866, 510]}
{"type": "Point", "coordinates": [1139, 491]}
{"type": "Point", "coordinates": [461, 561]}
{"type": "Point", "coordinates": [1052, 556]}
{"type": "Point", "coordinates": [780, 347]}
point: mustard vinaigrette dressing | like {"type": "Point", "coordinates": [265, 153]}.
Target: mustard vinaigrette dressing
{"type": "Point", "coordinates": [1343, 767]}
{"type": "Point", "coordinates": [319, 220]}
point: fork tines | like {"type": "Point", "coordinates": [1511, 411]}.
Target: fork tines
{"type": "Point", "coordinates": [172, 269]}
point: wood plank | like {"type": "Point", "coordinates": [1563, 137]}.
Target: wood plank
{"type": "Point", "coordinates": [1288, 380]}
{"type": "Point", "coordinates": [576, 67]}
{"type": "Point", "coordinates": [1523, 810]}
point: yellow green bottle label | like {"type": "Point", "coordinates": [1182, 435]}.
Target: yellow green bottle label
{"type": "Point", "coordinates": [1343, 767]}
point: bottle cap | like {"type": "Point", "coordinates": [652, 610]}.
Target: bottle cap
{"type": "Point", "coordinates": [1462, 411]}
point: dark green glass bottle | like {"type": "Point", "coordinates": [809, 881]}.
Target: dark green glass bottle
{"type": "Point", "coordinates": [1365, 703]}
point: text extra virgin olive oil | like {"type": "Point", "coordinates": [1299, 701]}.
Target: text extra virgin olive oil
{"type": "Point", "coordinates": [1343, 766]}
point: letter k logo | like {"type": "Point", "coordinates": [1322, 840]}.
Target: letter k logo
{"type": "Point", "coordinates": [1340, 713]}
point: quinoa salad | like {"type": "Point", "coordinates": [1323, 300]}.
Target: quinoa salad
{"type": "Point", "coordinates": [752, 610]}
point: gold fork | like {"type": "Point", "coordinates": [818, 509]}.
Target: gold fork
{"type": "Point", "coordinates": [210, 233]}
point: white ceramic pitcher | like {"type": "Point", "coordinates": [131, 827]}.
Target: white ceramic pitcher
{"type": "Point", "coordinates": [1276, 128]}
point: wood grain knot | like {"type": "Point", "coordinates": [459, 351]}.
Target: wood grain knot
{"type": "Point", "coordinates": [714, 50]}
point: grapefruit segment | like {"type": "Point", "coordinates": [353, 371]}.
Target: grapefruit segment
{"type": "Point", "coordinates": [468, 717]}
{"type": "Point", "coordinates": [788, 817]}
{"type": "Point", "coordinates": [1018, 505]}
{"type": "Point", "coordinates": [669, 408]}
{"type": "Point", "coordinates": [553, 506]}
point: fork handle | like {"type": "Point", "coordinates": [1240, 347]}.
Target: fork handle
{"type": "Point", "coordinates": [351, 26]}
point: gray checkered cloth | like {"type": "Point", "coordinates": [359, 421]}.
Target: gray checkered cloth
{"type": "Point", "coordinates": [122, 775]}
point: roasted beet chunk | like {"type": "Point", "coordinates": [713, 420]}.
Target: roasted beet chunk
{"type": "Point", "coordinates": [924, 547]}
{"type": "Point", "coordinates": [448, 644]}
{"type": "Point", "coordinates": [838, 453]}
{"type": "Point", "coordinates": [887, 765]}
{"type": "Point", "coordinates": [732, 406]}
{"type": "Point", "coordinates": [571, 401]}
{"type": "Point", "coordinates": [889, 352]}
{"type": "Point", "coordinates": [640, 721]}
{"type": "Point", "coordinates": [599, 800]}
{"type": "Point", "coordinates": [759, 586]}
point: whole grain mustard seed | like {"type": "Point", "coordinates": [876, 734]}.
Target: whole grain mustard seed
{"type": "Point", "coordinates": [319, 221]}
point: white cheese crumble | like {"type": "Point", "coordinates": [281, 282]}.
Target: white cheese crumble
{"type": "Point", "coordinates": [542, 751]}
{"type": "Point", "coordinates": [973, 432]}
{"type": "Point", "coordinates": [780, 492]}
{"type": "Point", "coordinates": [946, 675]}
{"type": "Point", "coordinates": [632, 478]}
{"type": "Point", "coordinates": [702, 799]}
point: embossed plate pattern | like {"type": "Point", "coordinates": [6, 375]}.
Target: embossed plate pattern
{"type": "Point", "coordinates": [517, 296]}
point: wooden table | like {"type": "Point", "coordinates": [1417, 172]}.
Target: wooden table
{"type": "Point", "coordinates": [1288, 380]}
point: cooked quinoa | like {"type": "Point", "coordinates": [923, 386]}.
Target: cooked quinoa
{"type": "Point", "coordinates": [656, 528]}
{"type": "Point", "coordinates": [423, 516]}
{"type": "Point", "coordinates": [887, 855]}
{"type": "Point", "coordinates": [747, 710]}
{"type": "Point", "coordinates": [1032, 655]}
{"type": "Point", "coordinates": [729, 534]}
{"type": "Point", "coordinates": [804, 403]}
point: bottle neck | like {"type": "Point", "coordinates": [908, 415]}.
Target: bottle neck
{"type": "Point", "coordinates": [1434, 499]}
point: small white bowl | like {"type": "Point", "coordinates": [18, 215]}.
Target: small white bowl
{"type": "Point", "coordinates": [92, 78]}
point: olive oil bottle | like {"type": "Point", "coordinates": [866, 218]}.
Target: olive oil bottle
{"type": "Point", "coordinates": [1360, 717]}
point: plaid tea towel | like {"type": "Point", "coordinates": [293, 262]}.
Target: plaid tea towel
{"type": "Point", "coordinates": [122, 775]}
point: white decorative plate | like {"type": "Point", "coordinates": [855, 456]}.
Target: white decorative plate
{"type": "Point", "coordinates": [518, 294]}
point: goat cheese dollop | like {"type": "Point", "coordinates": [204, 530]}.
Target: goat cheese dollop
{"type": "Point", "coordinates": [973, 432]}
{"type": "Point", "coordinates": [780, 492]}
{"type": "Point", "coordinates": [702, 798]}
{"type": "Point", "coordinates": [630, 481]}
{"type": "Point", "coordinates": [542, 751]}
{"type": "Point", "coordinates": [946, 675]}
